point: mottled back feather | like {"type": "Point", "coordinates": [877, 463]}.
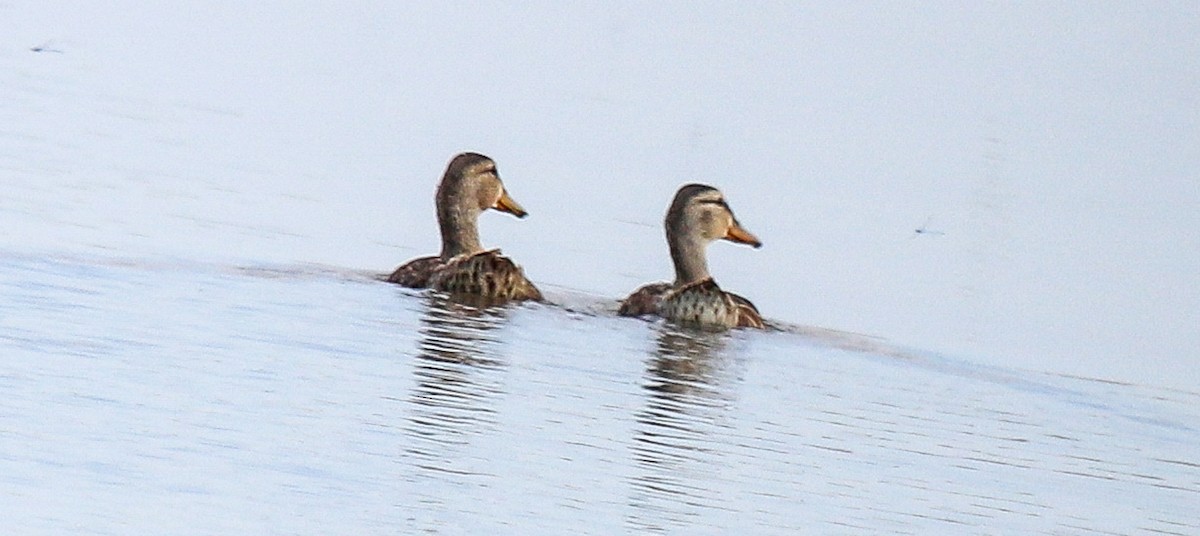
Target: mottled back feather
{"type": "Point", "coordinates": [415, 273]}
{"type": "Point", "coordinates": [748, 316]}
{"type": "Point", "coordinates": [486, 274]}
{"type": "Point", "coordinates": [644, 301]}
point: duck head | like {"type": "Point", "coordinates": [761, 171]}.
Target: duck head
{"type": "Point", "coordinates": [470, 186]}
{"type": "Point", "coordinates": [698, 216]}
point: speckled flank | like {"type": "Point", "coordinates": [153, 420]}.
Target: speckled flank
{"type": "Point", "coordinates": [704, 303]}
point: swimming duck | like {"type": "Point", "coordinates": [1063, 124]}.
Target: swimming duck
{"type": "Point", "coordinates": [470, 186]}
{"type": "Point", "coordinates": [698, 216]}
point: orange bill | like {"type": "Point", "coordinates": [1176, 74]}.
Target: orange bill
{"type": "Point", "coordinates": [739, 234]}
{"type": "Point", "coordinates": [509, 205]}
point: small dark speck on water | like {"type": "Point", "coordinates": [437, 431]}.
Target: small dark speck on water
{"type": "Point", "coordinates": [46, 48]}
{"type": "Point", "coordinates": [925, 230]}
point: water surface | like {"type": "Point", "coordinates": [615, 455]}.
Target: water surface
{"type": "Point", "coordinates": [193, 398]}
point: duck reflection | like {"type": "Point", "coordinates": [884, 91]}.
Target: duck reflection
{"type": "Point", "coordinates": [673, 441]}
{"type": "Point", "coordinates": [459, 373]}
{"type": "Point", "coordinates": [684, 363]}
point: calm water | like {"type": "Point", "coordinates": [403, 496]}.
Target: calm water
{"type": "Point", "coordinates": [188, 398]}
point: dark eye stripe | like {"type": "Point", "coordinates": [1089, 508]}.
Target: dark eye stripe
{"type": "Point", "coordinates": [718, 202]}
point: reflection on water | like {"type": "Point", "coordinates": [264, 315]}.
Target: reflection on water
{"type": "Point", "coordinates": [684, 362]}
{"type": "Point", "coordinates": [458, 371]}
{"type": "Point", "coordinates": [672, 445]}
{"type": "Point", "coordinates": [527, 420]}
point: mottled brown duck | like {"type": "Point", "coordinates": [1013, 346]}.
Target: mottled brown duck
{"type": "Point", "coordinates": [469, 187]}
{"type": "Point", "coordinates": [697, 217]}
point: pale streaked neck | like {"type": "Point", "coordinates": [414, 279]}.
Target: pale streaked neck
{"type": "Point", "coordinates": [460, 235]}
{"type": "Point", "coordinates": [687, 253]}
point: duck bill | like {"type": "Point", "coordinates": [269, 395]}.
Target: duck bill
{"type": "Point", "coordinates": [509, 205]}
{"type": "Point", "coordinates": [739, 234]}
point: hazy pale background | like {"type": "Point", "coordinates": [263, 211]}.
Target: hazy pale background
{"type": "Point", "coordinates": [1055, 146]}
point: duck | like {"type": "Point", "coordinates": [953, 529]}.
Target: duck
{"type": "Point", "coordinates": [698, 216]}
{"type": "Point", "coordinates": [470, 186]}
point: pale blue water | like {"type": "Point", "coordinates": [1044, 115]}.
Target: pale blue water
{"type": "Point", "coordinates": [177, 397]}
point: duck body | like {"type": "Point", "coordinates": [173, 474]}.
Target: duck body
{"type": "Point", "coordinates": [704, 304]}
{"type": "Point", "coordinates": [469, 187]}
{"type": "Point", "coordinates": [701, 303]}
{"type": "Point", "coordinates": [697, 216]}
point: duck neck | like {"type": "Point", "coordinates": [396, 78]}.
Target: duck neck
{"type": "Point", "coordinates": [687, 253]}
{"type": "Point", "coordinates": [460, 234]}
